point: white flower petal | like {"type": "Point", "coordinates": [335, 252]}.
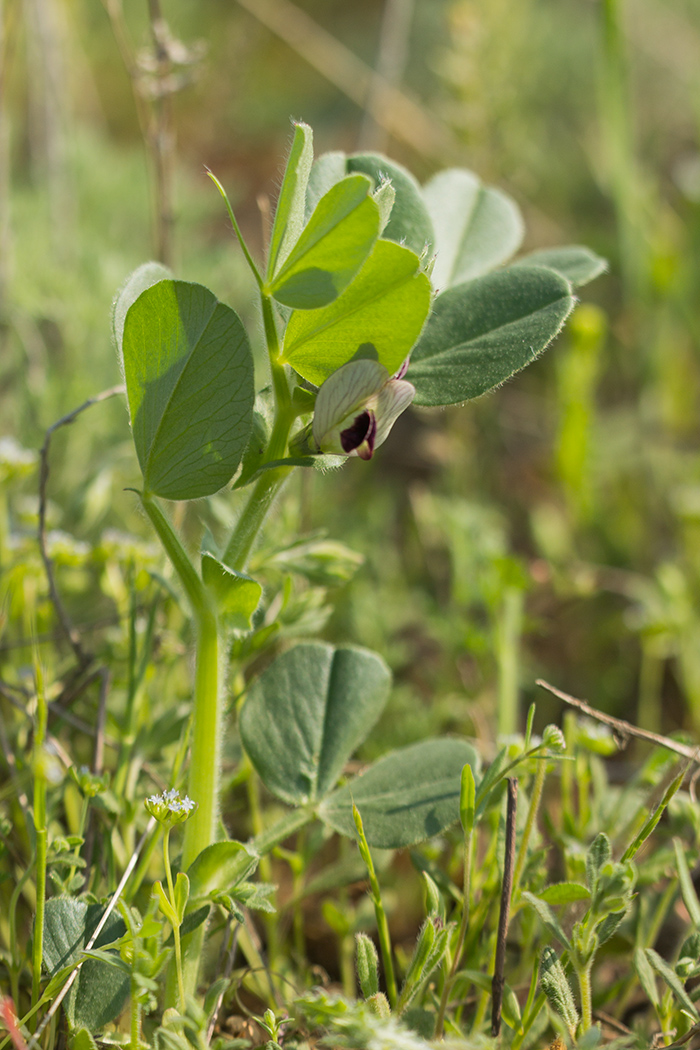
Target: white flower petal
{"type": "Point", "coordinates": [393, 399]}
{"type": "Point", "coordinates": [344, 394]}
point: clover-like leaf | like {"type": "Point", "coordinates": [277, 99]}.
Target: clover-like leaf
{"type": "Point", "coordinates": [307, 713]}
{"type": "Point", "coordinates": [189, 375]}
{"type": "Point", "coordinates": [476, 227]}
{"type": "Point", "coordinates": [409, 795]}
{"type": "Point", "coordinates": [482, 332]}
{"type": "Point", "coordinates": [379, 317]}
{"type": "Point", "coordinates": [574, 261]}
{"type": "Point", "coordinates": [289, 214]}
{"type": "Point", "coordinates": [332, 247]}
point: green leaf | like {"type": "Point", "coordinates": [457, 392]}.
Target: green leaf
{"type": "Point", "coordinates": [142, 278]}
{"type": "Point", "coordinates": [510, 1009]}
{"type": "Point", "coordinates": [405, 217]}
{"type": "Point", "coordinates": [82, 1040]}
{"type": "Point", "coordinates": [575, 262]}
{"type": "Point", "coordinates": [467, 800]}
{"type": "Point", "coordinates": [366, 965]}
{"type": "Point", "coordinates": [481, 333]}
{"type": "Point", "coordinates": [690, 897]}
{"type": "Point", "coordinates": [335, 243]}
{"type": "Point", "coordinates": [289, 214]}
{"type": "Point", "coordinates": [405, 797]}
{"type": "Point", "coordinates": [189, 376]}
{"type": "Point", "coordinates": [481, 980]}
{"type": "Point", "coordinates": [384, 198]}
{"type": "Point", "coordinates": [599, 853]}
{"type": "Point", "coordinates": [564, 893]}
{"type": "Point", "coordinates": [605, 929]}
{"type": "Point", "coordinates": [182, 893]}
{"type": "Point", "coordinates": [476, 227]}
{"type": "Point", "coordinates": [192, 920]}
{"type": "Point", "coordinates": [99, 992]}
{"type": "Point", "coordinates": [547, 918]}
{"type": "Point", "coordinates": [237, 595]}
{"type": "Point", "coordinates": [646, 977]}
{"type": "Point", "coordinates": [554, 984]}
{"type": "Point", "coordinates": [379, 316]}
{"type": "Point", "coordinates": [219, 868]}
{"type": "Point", "coordinates": [164, 903]}
{"type": "Point", "coordinates": [673, 981]}
{"type": "Point", "coordinates": [590, 1039]}
{"type": "Point", "coordinates": [410, 223]}
{"type": "Point", "coordinates": [326, 170]}
{"type": "Point", "coordinates": [651, 822]}
{"type": "Point", "coordinates": [308, 712]}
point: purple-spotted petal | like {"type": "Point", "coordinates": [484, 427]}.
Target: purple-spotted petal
{"type": "Point", "coordinates": [352, 437]}
{"type": "Point", "coordinates": [345, 394]}
{"type": "Point", "coordinates": [366, 449]}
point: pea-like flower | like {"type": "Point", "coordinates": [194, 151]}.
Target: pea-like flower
{"type": "Point", "coordinates": [357, 406]}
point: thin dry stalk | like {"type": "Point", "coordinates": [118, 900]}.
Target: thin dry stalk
{"type": "Point", "coordinates": [389, 69]}
{"type": "Point", "coordinates": [504, 915]}
{"type": "Point", "coordinates": [622, 730]}
{"type": "Point", "coordinates": [400, 115]}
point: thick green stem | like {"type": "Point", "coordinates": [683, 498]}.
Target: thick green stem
{"type": "Point", "coordinates": [253, 515]}
{"type": "Point", "coordinates": [194, 588]}
{"type": "Point", "coordinates": [203, 783]}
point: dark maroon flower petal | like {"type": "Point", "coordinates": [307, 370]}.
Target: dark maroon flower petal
{"type": "Point", "coordinates": [366, 449]}
{"type": "Point", "coordinates": [353, 436]}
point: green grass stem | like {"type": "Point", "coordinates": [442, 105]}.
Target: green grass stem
{"type": "Point", "coordinates": [41, 832]}
{"type": "Point", "coordinates": [380, 914]}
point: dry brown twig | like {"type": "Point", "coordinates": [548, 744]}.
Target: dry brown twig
{"type": "Point", "coordinates": [391, 108]}
{"type": "Point", "coordinates": [623, 731]}
{"type": "Point", "coordinates": [504, 915]}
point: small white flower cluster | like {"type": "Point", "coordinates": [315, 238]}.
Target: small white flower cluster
{"type": "Point", "coordinates": [171, 807]}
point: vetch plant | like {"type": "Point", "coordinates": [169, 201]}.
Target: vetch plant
{"type": "Point", "coordinates": [375, 293]}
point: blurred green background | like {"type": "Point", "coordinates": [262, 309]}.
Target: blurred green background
{"type": "Point", "coordinates": [550, 529]}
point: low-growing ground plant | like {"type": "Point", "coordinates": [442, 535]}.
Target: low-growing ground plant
{"type": "Point", "coordinates": [376, 293]}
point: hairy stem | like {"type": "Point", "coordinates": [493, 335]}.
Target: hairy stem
{"type": "Point", "coordinates": [252, 517]}
{"type": "Point", "coordinates": [584, 982]}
